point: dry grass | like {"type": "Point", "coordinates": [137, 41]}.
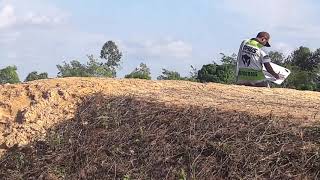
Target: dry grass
{"type": "Point", "coordinates": [139, 137]}
{"type": "Point", "coordinates": [93, 128]}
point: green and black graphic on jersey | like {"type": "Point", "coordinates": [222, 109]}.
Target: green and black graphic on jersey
{"type": "Point", "coordinates": [246, 60]}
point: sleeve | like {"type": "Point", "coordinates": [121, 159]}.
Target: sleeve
{"type": "Point", "coordinates": [239, 56]}
{"type": "Point", "coordinates": [265, 58]}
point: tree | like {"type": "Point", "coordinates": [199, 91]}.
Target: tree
{"type": "Point", "coordinates": [224, 73]}
{"type": "Point", "coordinates": [169, 75]}
{"type": "Point", "coordinates": [98, 69]}
{"type": "Point", "coordinates": [174, 75]}
{"type": "Point", "coordinates": [35, 76]}
{"type": "Point", "coordinates": [217, 73]}
{"type": "Point", "coordinates": [305, 67]}
{"type": "Point", "coordinates": [277, 57]}
{"type": "Point", "coordinates": [141, 72]}
{"type": "Point", "coordinates": [316, 60]}
{"type": "Point", "coordinates": [208, 73]}
{"type": "Point", "coordinates": [9, 75]}
{"type": "Point", "coordinates": [304, 59]}
{"type": "Point", "coordinates": [93, 68]}
{"type": "Point", "coordinates": [111, 53]}
{"type": "Point", "coordinates": [193, 74]}
{"type": "Point", "coordinates": [230, 60]}
{"type": "Point", "coordinates": [301, 80]}
{"type": "Point", "coordinates": [74, 69]}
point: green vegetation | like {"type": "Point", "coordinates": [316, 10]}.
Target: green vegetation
{"type": "Point", "coordinates": [35, 76]}
{"type": "Point", "coordinates": [303, 62]}
{"type": "Point", "coordinates": [141, 72]}
{"type": "Point", "coordinates": [9, 75]}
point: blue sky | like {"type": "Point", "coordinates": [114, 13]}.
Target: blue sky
{"type": "Point", "coordinates": [36, 35]}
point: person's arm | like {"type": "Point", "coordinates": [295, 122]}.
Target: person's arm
{"type": "Point", "coordinates": [270, 70]}
{"type": "Point", "coordinates": [266, 62]}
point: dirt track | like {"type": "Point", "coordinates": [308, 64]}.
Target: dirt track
{"type": "Point", "coordinates": [27, 110]}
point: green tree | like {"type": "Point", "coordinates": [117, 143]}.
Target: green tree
{"type": "Point", "coordinates": [304, 58]}
{"type": "Point", "coordinates": [74, 69]}
{"type": "Point", "coordinates": [208, 73]}
{"type": "Point", "coordinates": [230, 60]}
{"type": "Point", "coordinates": [228, 68]}
{"type": "Point", "coordinates": [9, 75]}
{"type": "Point", "coordinates": [174, 75]}
{"type": "Point", "coordinates": [93, 68]}
{"type": "Point", "coordinates": [316, 70]}
{"type": "Point", "coordinates": [301, 80]}
{"type": "Point", "coordinates": [169, 75]}
{"type": "Point", "coordinates": [224, 73]}
{"type": "Point", "coordinates": [98, 69]}
{"type": "Point", "coordinates": [35, 76]}
{"type": "Point", "coordinates": [111, 53]}
{"type": "Point", "coordinates": [304, 65]}
{"type": "Point", "coordinates": [277, 57]}
{"type": "Point", "coordinates": [193, 74]}
{"type": "Point", "coordinates": [141, 72]}
{"type": "Point", "coordinates": [217, 73]}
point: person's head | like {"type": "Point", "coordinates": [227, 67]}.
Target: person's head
{"type": "Point", "coordinates": [263, 38]}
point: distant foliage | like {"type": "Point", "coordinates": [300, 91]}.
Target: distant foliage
{"type": "Point", "coordinates": [112, 55]}
{"type": "Point", "coordinates": [303, 63]}
{"type": "Point", "coordinates": [224, 73]}
{"type": "Point", "coordinates": [93, 68]}
{"type": "Point", "coordinates": [174, 75]}
{"type": "Point", "coordinates": [9, 75]}
{"type": "Point", "coordinates": [305, 67]}
{"type": "Point", "coordinates": [305, 59]}
{"type": "Point", "coordinates": [35, 76]}
{"type": "Point", "coordinates": [141, 72]}
{"type": "Point", "coordinates": [193, 74]}
{"type": "Point", "coordinates": [277, 57]}
{"type": "Point", "coordinates": [169, 75]}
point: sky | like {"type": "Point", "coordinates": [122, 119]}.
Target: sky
{"type": "Point", "coordinates": [36, 35]}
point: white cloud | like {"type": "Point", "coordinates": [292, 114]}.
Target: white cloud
{"type": "Point", "coordinates": [7, 16]}
{"type": "Point", "coordinates": [273, 12]}
{"type": "Point", "coordinates": [294, 18]}
{"type": "Point", "coordinates": [307, 31]}
{"type": "Point", "coordinates": [34, 19]}
{"type": "Point", "coordinates": [283, 47]}
{"type": "Point", "coordinates": [31, 35]}
{"type": "Point", "coordinates": [12, 55]}
{"type": "Point", "coordinates": [11, 18]}
{"type": "Point", "coordinates": [8, 37]}
{"type": "Point", "coordinates": [158, 48]}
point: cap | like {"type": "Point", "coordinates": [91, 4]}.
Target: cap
{"type": "Point", "coordinates": [266, 35]}
{"type": "Point", "coordinates": [267, 44]}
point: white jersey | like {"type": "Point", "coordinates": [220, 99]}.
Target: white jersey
{"type": "Point", "coordinates": [250, 62]}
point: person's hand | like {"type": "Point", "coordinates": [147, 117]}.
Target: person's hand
{"type": "Point", "coordinates": [279, 76]}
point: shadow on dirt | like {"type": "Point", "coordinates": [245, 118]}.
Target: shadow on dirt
{"type": "Point", "coordinates": [136, 138]}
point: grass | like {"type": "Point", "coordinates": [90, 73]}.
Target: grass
{"type": "Point", "coordinates": [129, 137]}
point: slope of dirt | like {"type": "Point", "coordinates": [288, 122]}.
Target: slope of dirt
{"type": "Point", "coordinates": [27, 110]}
{"type": "Point", "coordinates": [30, 113]}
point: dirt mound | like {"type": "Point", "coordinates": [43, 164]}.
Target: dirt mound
{"type": "Point", "coordinates": [105, 128]}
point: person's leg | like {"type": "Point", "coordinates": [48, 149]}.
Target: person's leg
{"type": "Point", "coordinates": [267, 83]}
{"type": "Point", "coordinates": [262, 84]}
{"type": "Point", "coordinates": [254, 84]}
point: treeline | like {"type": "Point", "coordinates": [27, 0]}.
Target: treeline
{"type": "Point", "coordinates": [303, 62]}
